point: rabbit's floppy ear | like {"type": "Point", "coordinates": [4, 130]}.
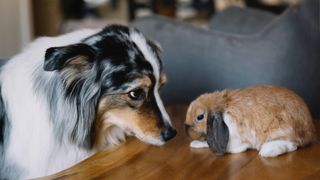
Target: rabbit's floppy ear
{"type": "Point", "coordinates": [217, 133]}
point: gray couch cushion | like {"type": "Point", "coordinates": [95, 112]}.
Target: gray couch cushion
{"type": "Point", "coordinates": [286, 52]}
{"type": "Point", "coordinates": [245, 21]}
{"type": "Point", "coordinates": [2, 62]}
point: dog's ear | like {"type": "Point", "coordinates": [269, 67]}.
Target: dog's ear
{"type": "Point", "coordinates": [76, 55]}
{"type": "Point", "coordinates": [217, 133]}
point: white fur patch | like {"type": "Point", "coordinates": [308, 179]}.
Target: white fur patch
{"type": "Point", "coordinates": [140, 41]}
{"type": "Point", "coordinates": [253, 138]}
{"type": "Point", "coordinates": [199, 144]}
{"type": "Point", "coordinates": [29, 114]}
{"type": "Point", "coordinates": [276, 148]}
{"type": "Point", "coordinates": [113, 136]}
{"type": "Point", "coordinates": [235, 144]}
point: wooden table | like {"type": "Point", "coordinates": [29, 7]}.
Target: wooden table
{"type": "Point", "coordinates": [176, 160]}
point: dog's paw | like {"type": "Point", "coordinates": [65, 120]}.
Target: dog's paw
{"type": "Point", "coordinates": [276, 148]}
{"type": "Point", "coordinates": [198, 144]}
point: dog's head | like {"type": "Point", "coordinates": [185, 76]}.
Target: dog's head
{"type": "Point", "coordinates": [113, 78]}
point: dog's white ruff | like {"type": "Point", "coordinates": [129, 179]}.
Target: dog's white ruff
{"type": "Point", "coordinates": [29, 113]}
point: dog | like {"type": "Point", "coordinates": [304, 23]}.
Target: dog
{"type": "Point", "coordinates": [65, 98]}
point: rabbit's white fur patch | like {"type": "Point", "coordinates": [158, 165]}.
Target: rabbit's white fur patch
{"type": "Point", "coordinates": [199, 144]}
{"type": "Point", "coordinates": [236, 143]}
{"type": "Point", "coordinates": [277, 147]}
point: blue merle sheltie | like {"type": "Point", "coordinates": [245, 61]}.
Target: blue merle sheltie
{"type": "Point", "coordinates": [64, 98]}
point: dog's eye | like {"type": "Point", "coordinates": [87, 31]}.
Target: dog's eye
{"type": "Point", "coordinates": [137, 94]}
{"type": "Point", "coordinates": [200, 117]}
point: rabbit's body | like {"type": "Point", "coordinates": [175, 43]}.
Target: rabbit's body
{"type": "Point", "coordinates": [273, 120]}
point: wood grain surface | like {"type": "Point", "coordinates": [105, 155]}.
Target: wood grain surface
{"type": "Point", "coordinates": [176, 160]}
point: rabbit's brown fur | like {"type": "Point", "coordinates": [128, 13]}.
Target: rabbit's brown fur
{"type": "Point", "coordinates": [259, 114]}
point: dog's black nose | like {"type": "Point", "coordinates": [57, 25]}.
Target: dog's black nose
{"type": "Point", "coordinates": [168, 133]}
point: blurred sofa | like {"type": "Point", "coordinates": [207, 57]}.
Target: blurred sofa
{"type": "Point", "coordinates": [241, 47]}
{"type": "Point", "coordinates": [2, 62]}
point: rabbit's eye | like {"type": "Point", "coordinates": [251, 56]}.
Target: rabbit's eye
{"type": "Point", "coordinates": [200, 117]}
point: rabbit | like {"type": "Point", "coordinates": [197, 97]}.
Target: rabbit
{"type": "Point", "coordinates": [271, 119]}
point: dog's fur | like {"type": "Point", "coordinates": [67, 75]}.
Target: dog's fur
{"type": "Point", "coordinates": [271, 119]}
{"type": "Point", "coordinates": [64, 98]}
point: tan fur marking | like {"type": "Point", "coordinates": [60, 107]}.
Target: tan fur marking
{"type": "Point", "coordinates": [141, 125]}
{"type": "Point", "coordinates": [100, 127]}
{"type": "Point", "coordinates": [77, 64]}
{"type": "Point", "coordinates": [74, 69]}
{"type": "Point", "coordinates": [113, 111]}
{"type": "Point", "coordinates": [145, 82]}
{"type": "Point", "coordinates": [163, 79]}
{"type": "Point", "coordinates": [137, 120]}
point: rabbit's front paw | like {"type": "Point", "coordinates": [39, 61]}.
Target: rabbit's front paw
{"type": "Point", "coordinates": [198, 144]}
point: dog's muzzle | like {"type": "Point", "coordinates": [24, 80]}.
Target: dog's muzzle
{"type": "Point", "coordinates": [168, 133]}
